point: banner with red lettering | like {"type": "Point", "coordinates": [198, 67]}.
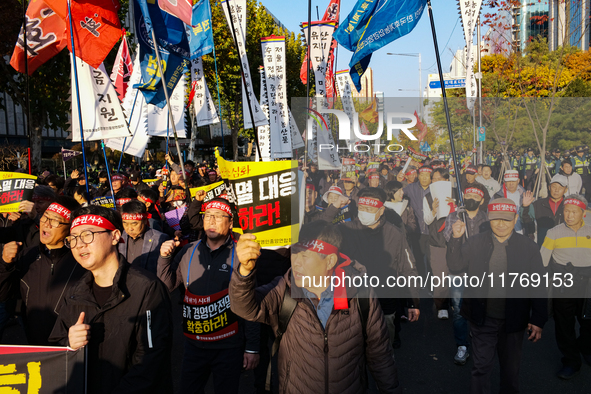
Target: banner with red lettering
{"type": "Point", "coordinates": [262, 193]}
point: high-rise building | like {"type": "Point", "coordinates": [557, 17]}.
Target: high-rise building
{"type": "Point", "coordinates": [530, 20]}
{"type": "Point", "coordinates": [569, 23]}
{"type": "Point", "coordinates": [366, 85]}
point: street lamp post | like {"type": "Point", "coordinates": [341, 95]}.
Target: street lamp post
{"type": "Point", "coordinates": [420, 82]}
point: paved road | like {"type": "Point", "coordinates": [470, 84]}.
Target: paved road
{"type": "Point", "coordinates": [425, 360]}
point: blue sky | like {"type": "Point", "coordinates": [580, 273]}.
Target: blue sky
{"type": "Point", "coordinates": [391, 73]}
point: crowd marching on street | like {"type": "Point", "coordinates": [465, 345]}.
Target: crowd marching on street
{"type": "Point", "coordinates": [82, 275]}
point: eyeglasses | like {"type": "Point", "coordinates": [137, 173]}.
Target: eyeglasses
{"type": "Point", "coordinates": [52, 222]}
{"type": "Point", "coordinates": [216, 218]}
{"type": "Point", "coordinates": [85, 236]}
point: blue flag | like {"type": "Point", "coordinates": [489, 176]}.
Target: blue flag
{"type": "Point", "coordinates": [201, 33]}
{"type": "Point", "coordinates": [173, 66]}
{"type": "Point", "coordinates": [373, 24]}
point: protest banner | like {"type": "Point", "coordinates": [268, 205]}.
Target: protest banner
{"type": "Point", "coordinates": [106, 202]}
{"type": "Point", "coordinates": [262, 193]}
{"type": "Point", "coordinates": [348, 169]}
{"type": "Point", "coordinates": [41, 369]}
{"type": "Point", "coordinates": [14, 188]}
{"type": "Point", "coordinates": [150, 182]}
{"type": "Point", "coordinates": [211, 191]}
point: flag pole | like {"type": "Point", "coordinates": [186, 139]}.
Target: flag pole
{"type": "Point", "coordinates": [108, 174]}
{"type": "Point", "coordinates": [27, 103]}
{"type": "Point", "coordinates": [308, 78]}
{"type": "Point", "coordinates": [256, 135]}
{"type": "Point", "coordinates": [176, 140]}
{"type": "Point", "coordinates": [78, 100]}
{"type": "Point", "coordinates": [447, 117]}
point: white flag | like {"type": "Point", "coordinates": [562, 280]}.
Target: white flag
{"type": "Point", "coordinates": [238, 11]}
{"type": "Point", "coordinates": [344, 83]}
{"type": "Point", "coordinates": [136, 112]}
{"type": "Point", "coordinates": [203, 106]}
{"type": "Point", "coordinates": [158, 119]}
{"type": "Point", "coordinates": [264, 132]}
{"type": "Point", "coordinates": [274, 66]}
{"type": "Point", "coordinates": [321, 32]}
{"type": "Point", "coordinates": [102, 116]}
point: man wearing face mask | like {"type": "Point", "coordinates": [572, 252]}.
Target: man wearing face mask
{"type": "Point", "coordinates": [382, 248]}
{"type": "Point", "coordinates": [476, 222]}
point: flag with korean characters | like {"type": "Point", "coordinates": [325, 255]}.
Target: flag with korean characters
{"type": "Point", "coordinates": [237, 18]}
{"type": "Point", "coordinates": [264, 132]}
{"type": "Point", "coordinates": [102, 115]}
{"type": "Point", "coordinates": [262, 193]}
{"type": "Point", "coordinates": [159, 123]}
{"type": "Point", "coordinates": [320, 43]}
{"type": "Point", "coordinates": [203, 107]}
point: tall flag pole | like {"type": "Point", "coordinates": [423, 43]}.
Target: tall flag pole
{"type": "Point", "coordinates": [27, 104]}
{"type": "Point", "coordinates": [79, 106]}
{"type": "Point", "coordinates": [447, 117]}
{"type": "Point", "coordinates": [308, 78]}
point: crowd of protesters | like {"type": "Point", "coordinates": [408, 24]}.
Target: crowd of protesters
{"type": "Point", "coordinates": [84, 275]}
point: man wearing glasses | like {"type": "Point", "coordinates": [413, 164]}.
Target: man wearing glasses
{"type": "Point", "coordinates": [44, 271]}
{"type": "Point", "coordinates": [122, 313]}
{"type": "Point", "coordinates": [217, 341]}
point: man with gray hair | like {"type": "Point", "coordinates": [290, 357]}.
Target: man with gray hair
{"type": "Point", "coordinates": [566, 251]}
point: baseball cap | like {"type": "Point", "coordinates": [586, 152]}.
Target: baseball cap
{"type": "Point", "coordinates": [511, 175]}
{"type": "Point", "coordinates": [502, 208]}
{"type": "Point", "coordinates": [471, 169]}
{"type": "Point", "coordinates": [135, 176]}
{"type": "Point", "coordinates": [560, 179]}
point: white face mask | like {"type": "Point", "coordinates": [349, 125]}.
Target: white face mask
{"type": "Point", "coordinates": [367, 218]}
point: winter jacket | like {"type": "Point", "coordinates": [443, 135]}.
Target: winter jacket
{"type": "Point", "coordinates": [210, 274]}
{"type": "Point", "coordinates": [313, 359]}
{"type": "Point", "coordinates": [131, 335]}
{"type": "Point", "coordinates": [44, 276]}
{"type": "Point", "coordinates": [545, 219]}
{"type": "Point", "coordinates": [523, 257]}
{"type": "Point", "coordinates": [150, 250]}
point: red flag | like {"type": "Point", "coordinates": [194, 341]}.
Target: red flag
{"type": "Point", "coordinates": [122, 69]}
{"type": "Point", "coordinates": [332, 15]}
{"type": "Point", "coordinates": [182, 9]}
{"type": "Point", "coordinates": [46, 37]}
{"type": "Point", "coordinates": [422, 128]}
{"type": "Point", "coordinates": [96, 27]}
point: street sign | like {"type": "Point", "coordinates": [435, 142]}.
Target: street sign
{"type": "Point", "coordinates": [425, 147]}
{"type": "Point", "coordinates": [449, 83]}
{"type": "Point", "coordinates": [482, 133]}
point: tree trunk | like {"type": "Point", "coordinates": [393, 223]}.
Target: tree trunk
{"type": "Point", "coordinates": [235, 143]}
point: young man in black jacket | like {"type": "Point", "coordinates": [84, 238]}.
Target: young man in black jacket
{"type": "Point", "coordinates": [41, 273]}
{"type": "Point", "coordinates": [122, 313]}
{"type": "Point", "coordinates": [499, 314]}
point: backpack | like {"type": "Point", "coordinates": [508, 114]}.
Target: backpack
{"type": "Point", "coordinates": [289, 305]}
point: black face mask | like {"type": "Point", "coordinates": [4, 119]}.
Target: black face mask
{"type": "Point", "coordinates": [471, 204]}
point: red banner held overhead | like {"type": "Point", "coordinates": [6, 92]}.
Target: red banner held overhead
{"type": "Point", "coordinates": [96, 27]}
{"type": "Point", "coordinates": [46, 37]}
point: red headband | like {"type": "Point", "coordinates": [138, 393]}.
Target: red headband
{"type": "Point", "coordinates": [135, 216]}
{"type": "Point", "coordinates": [413, 171]}
{"type": "Point", "coordinates": [425, 169]}
{"type": "Point", "coordinates": [121, 201]}
{"type": "Point", "coordinates": [474, 190]}
{"type": "Point", "coordinates": [93, 220]}
{"type": "Point", "coordinates": [572, 201]}
{"type": "Point", "coordinates": [218, 205]}
{"type": "Point", "coordinates": [117, 178]}
{"type": "Point", "coordinates": [502, 207]}
{"type": "Point", "coordinates": [60, 210]}
{"type": "Point", "coordinates": [315, 245]}
{"type": "Point", "coordinates": [370, 202]}
{"type": "Point", "coordinates": [310, 186]}
{"type": "Point", "coordinates": [374, 176]}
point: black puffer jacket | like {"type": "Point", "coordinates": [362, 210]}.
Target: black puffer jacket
{"type": "Point", "coordinates": [131, 336]}
{"type": "Point", "coordinates": [44, 277]}
{"type": "Point", "coordinates": [473, 256]}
